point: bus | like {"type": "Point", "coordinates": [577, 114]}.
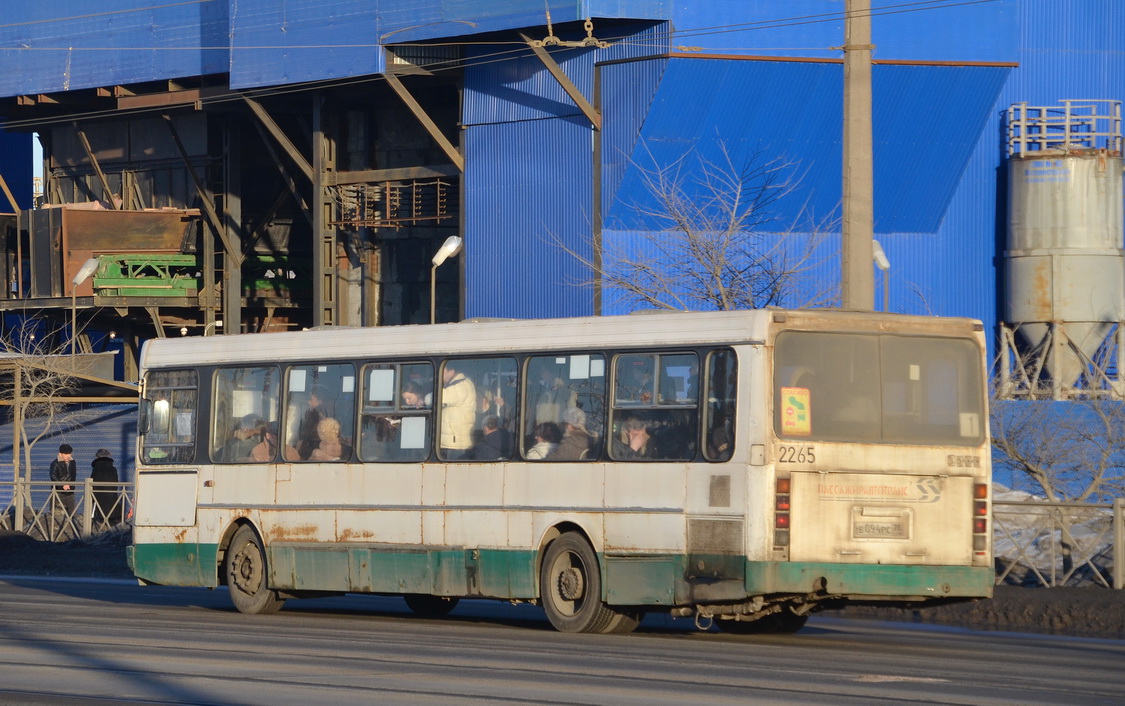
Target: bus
{"type": "Point", "coordinates": [744, 469]}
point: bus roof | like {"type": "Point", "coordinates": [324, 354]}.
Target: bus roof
{"type": "Point", "coordinates": [472, 337]}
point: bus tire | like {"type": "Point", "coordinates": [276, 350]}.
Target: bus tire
{"type": "Point", "coordinates": [248, 575]}
{"type": "Point", "coordinates": [570, 587]}
{"type": "Point", "coordinates": [428, 606]}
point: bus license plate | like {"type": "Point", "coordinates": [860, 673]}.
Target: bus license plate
{"type": "Point", "coordinates": [881, 523]}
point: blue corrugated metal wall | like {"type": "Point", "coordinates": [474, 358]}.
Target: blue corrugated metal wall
{"type": "Point", "coordinates": [112, 427]}
{"type": "Point", "coordinates": [529, 181]}
{"type": "Point", "coordinates": [67, 44]}
{"type": "Point", "coordinates": [16, 166]}
{"type": "Point", "coordinates": [935, 30]}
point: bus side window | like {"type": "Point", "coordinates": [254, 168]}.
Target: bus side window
{"type": "Point", "coordinates": [171, 396]}
{"type": "Point", "coordinates": [655, 408]}
{"type": "Point", "coordinates": [477, 402]}
{"type": "Point", "coordinates": [397, 412]}
{"type": "Point", "coordinates": [316, 393]}
{"type": "Point", "coordinates": [246, 400]}
{"type": "Point", "coordinates": [564, 398]}
{"type": "Point", "coordinates": [721, 390]}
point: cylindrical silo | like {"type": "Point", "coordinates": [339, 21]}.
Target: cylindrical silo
{"type": "Point", "coordinates": [1065, 264]}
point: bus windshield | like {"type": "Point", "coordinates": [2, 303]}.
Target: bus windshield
{"type": "Point", "coordinates": [878, 388]}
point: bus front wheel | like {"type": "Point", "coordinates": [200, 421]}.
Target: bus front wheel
{"type": "Point", "coordinates": [570, 588]}
{"type": "Point", "coordinates": [247, 575]}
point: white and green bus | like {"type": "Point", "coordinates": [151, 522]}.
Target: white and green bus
{"type": "Point", "coordinates": [746, 468]}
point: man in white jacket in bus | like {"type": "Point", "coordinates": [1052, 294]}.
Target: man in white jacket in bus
{"type": "Point", "coordinates": [458, 413]}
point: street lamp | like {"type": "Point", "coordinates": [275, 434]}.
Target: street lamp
{"type": "Point", "coordinates": [448, 249]}
{"type": "Point", "coordinates": [884, 265]}
{"type": "Point", "coordinates": [88, 268]}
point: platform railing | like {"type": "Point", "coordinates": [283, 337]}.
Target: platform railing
{"type": "Point", "coordinates": [1059, 544]}
{"type": "Point", "coordinates": [42, 511]}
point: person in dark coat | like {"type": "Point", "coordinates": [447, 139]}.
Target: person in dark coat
{"type": "Point", "coordinates": [495, 445]}
{"type": "Point", "coordinates": [106, 506]}
{"type": "Point", "coordinates": [63, 473]}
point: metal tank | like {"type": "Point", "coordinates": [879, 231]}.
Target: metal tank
{"type": "Point", "coordinates": [1064, 258]}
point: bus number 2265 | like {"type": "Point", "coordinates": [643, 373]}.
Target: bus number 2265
{"type": "Point", "coordinates": [796, 454]}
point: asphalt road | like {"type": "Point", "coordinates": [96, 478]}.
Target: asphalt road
{"type": "Point", "coordinates": [86, 641]}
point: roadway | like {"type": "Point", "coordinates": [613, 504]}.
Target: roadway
{"type": "Point", "coordinates": [87, 641]}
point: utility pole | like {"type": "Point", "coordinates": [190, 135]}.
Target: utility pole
{"type": "Point", "coordinates": [857, 274]}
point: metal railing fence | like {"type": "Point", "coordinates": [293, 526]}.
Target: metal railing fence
{"type": "Point", "coordinates": [1059, 544]}
{"type": "Point", "coordinates": [43, 511]}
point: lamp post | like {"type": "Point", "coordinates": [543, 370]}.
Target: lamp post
{"type": "Point", "coordinates": [448, 249]}
{"type": "Point", "coordinates": [88, 268]}
{"type": "Point", "coordinates": [884, 266]}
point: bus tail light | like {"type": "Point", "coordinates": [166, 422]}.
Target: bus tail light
{"type": "Point", "coordinates": [781, 513]}
{"type": "Point", "coordinates": [980, 518]}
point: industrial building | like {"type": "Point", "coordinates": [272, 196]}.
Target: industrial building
{"type": "Point", "coordinates": [254, 165]}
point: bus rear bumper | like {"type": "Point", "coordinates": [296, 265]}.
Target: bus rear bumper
{"type": "Point", "coordinates": [870, 581]}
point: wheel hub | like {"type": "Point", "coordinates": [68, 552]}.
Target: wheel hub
{"type": "Point", "coordinates": [571, 584]}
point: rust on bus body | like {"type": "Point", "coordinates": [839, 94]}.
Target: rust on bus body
{"type": "Point", "coordinates": [352, 535]}
{"type": "Point", "coordinates": [295, 533]}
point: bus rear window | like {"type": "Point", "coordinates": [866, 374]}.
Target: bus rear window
{"type": "Point", "coordinates": [891, 389]}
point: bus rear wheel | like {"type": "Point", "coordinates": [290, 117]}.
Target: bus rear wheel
{"type": "Point", "coordinates": [570, 587]}
{"type": "Point", "coordinates": [247, 575]}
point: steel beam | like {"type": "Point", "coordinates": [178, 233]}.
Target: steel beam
{"type": "Point", "coordinates": [97, 167]}
{"type": "Point", "coordinates": [584, 105]}
{"type": "Point", "coordinates": [204, 198]}
{"type": "Point", "coordinates": [415, 107]}
{"type": "Point", "coordinates": [371, 176]}
{"type": "Point", "coordinates": [279, 135]}
{"type": "Point", "coordinates": [8, 194]}
{"type": "Point", "coordinates": [286, 177]}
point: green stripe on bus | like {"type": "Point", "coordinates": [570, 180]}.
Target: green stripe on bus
{"type": "Point", "coordinates": [175, 564]}
{"type": "Point", "coordinates": [498, 573]}
{"type": "Point", "coordinates": [858, 580]}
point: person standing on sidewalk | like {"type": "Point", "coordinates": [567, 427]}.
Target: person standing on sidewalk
{"type": "Point", "coordinates": [63, 473]}
{"type": "Point", "coordinates": [107, 504]}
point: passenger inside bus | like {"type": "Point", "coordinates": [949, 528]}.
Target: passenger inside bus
{"type": "Point", "coordinates": [246, 435]}
{"type": "Point", "coordinates": [414, 397]}
{"type": "Point", "coordinates": [576, 441]}
{"type": "Point", "coordinates": [458, 413]}
{"type": "Point", "coordinates": [547, 437]}
{"type": "Point", "coordinates": [495, 443]}
{"type": "Point", "coordinates": [265, 451]}
{"type": "Point", "coordinates": [634, 440]}
{"type": "Point", "coordinates": [318, 406]}
{"type": "Point", "coordinates": [331, 447]}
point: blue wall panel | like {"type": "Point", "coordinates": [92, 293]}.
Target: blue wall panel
{"type": "Point", "coordinates": [16, 167]}
{"type": "Point", "coordinates": [528, 188]}
{"type": "Point", "coordinates": [941, 30]}
{"type": "Point", "coordinates": [302, 40]}
{"type": "Point", "coordinates": [627, 90]}
{"type": "Point", "coordinates": [65, 44]}
{"type": "Point", "coordinates": [926, 120]}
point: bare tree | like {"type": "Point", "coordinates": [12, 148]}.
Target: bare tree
{"type": "Point", "coordinates": [713, 240]}
{"type": "Point", "coordinates": [1070, 451]}
{"type": "Point", "coordinates": [36, 381]}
